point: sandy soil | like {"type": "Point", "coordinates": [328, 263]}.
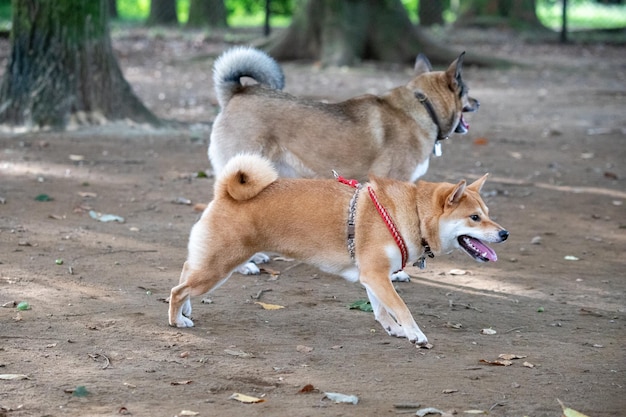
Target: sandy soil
{"type": "Point", "coordinates": [551, 133]}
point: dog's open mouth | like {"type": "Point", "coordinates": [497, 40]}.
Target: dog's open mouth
{"type": "Point", "coordinates": [477, 249]}
{"type": "Point", "coordinates": [462, 127]}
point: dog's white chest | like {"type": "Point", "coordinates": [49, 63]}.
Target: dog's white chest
{"type": "Point", "coordinates": [420, 170]}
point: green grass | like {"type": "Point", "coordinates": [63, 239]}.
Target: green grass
{"type": "Point", "coordinates": [582, 15]}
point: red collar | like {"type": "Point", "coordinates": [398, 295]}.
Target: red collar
{"type": "Point", "coordinates": [384, 214]}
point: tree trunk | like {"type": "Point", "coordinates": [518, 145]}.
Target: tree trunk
{"type": "Point", "coordinates": [516, 14]}
{"type": "Point", "coordinates": [211, 13]}
{"type": "Point", "coordinates": [343, 32]}
{"type": "Point", "coordinates": [430, 12]}
{"type": "Point", "coordinates": [162, 12]}
{"type": "Point", "coordinates": [62, 65]}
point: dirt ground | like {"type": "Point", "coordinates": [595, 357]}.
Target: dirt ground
{"type": "Point", "coordinates": [551, 133]}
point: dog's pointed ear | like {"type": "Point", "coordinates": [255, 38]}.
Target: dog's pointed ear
{"type": "Point", "coordinates": [455, 196]}
{"type": "Point", "coordinates": [478, 184]}
{"type": "Point", "coordinates": [422, 65]}
{"type": "Point", "coordinates": [455, 71]}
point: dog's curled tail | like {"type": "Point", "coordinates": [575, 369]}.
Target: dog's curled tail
{"type": "Point", "coordinates": [245, 176]}
{"type": "Point", "coordinates": [244, 61]}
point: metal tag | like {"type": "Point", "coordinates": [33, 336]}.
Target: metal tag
{"type": "Point", "coordinates": [437, 148]}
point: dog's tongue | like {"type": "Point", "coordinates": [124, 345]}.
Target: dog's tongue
{"type": "Point", "coordinates": [485, 251]}
{"type": "Point", "coordinates": [464, 123]}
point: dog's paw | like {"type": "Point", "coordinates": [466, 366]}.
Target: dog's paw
{"type": "Point", "coordinates": [400, 276]}
{"type": "Point", "coordinates": [418, 338]}
{"type": "Point", "coordinates": [260, 258]}
{"type": "Point", "coordinates": [249, 268]}
{"type": "Point", "coordinates": [186, 308]}
{"type": "Point", "coordinates": [182, 321]}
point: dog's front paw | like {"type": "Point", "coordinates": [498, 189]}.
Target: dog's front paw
{"type": "Point", "coordinates": [182, 321]}
{"type": "Point", "coordinates": [249, 268]}
{"type": "Point", "coordinates": [418, 338]}
{"type": "Point", "coordinates": [186, 308]}
{"type": "Point", "coordinates": [400, 276]}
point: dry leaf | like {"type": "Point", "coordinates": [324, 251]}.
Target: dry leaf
{"type": "Point", "coordinates": [181, 382]}
{"type": "Point", "coordinates": [342, 398]}
{"type": "Point", "coordinates": [307, 388]}
{"type": "Point", "coordinates": [188, 413]}
{"type": "Point", "coordinates": [509, 356]}
{"type": "Point", "coordinates": [568, 412]}
{"type": "Point", "coordinates": [498, 362]}
{"type": "Point", "coordinates": [429, 410]}
{"type": "Point", "coordinates": [304, 349]}
{"type": "Point", "coordinates": [246, 399]}
{"type": "Point", "coordinates": [269, 306]}
{"type": "Point", "coordinates": [8, 377]}
{"type": "Point", "coordinates": [239, 353]}
{"type": "Point", "coordinates": [269, 271]}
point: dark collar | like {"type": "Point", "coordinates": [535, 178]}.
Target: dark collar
{"type": "Point", "coordinates": [421, 97]}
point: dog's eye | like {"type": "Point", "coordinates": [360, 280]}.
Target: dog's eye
{"type": "Point", "coordinates": [475, 217]}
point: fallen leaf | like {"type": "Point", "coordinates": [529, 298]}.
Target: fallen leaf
{"type": "Point", "coordinates": [568, 412]}
{"type": "Point", "coordinates": [9, 377]}
{"type": "Point", "coordinates": [105, 218]}
{"type": "Point", "coordinates": [304, 349]}
{"type": "Point", "coordinates": [341, 398]}
{"type": "Point", "coordinates": [239, 353]}
{"type": "Point", "coordinates": [246, 399]}
{"type": "Point", "coordinates": [181, 382]}
{"type": "Point", "coordinates": [307, 388]}
{"type": "Point", "coordinates": [481, 141]}
{"type": "Point", "coordinates": [497, 362]}
{"type": "Point", "coordinates": [80, 391]}
{"type": "Point", "coordinates": [429, 410]}
{"type": "Point", "coordinates": [363, 305]}
{"type": "Point", "coordinates": [509, 356]}
{"type": "Point", "coordinates": [269, 306]}
{"type": "Point", "coordinates": [43, 197]}
{"type": "Point", "coordinates": [269, 271]}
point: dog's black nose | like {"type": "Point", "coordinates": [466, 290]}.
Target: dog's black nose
{"type": "Point", "coordinates": [504, 234]}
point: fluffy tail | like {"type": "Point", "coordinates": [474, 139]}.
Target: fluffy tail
{"type": "Point", "coordinates": [243, 61]}
{"type": "Point", "coordinates": [245, 176]}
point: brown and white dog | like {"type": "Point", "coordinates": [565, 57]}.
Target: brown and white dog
{"type": "Point", "coordinates": [391, 135]}
{"type": "Point", "coordinates": [362, 234]}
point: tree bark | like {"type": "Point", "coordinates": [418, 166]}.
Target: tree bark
{"type": "Point", "coordinates": [344, 32]}
{"type": "Point", "coordinates": [162, 12]}
{"type": "Point", "coordinates": [430, 12]}
{"type": "Point", "coordinates": [211, 13]}
{"type": "Point", "coordinates": [62, 68]}
{"type": "Point", "coordinates": [516, 14]}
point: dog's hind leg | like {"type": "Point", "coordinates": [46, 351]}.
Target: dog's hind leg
{"type": "Point", "coordinates": [208, 266]}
